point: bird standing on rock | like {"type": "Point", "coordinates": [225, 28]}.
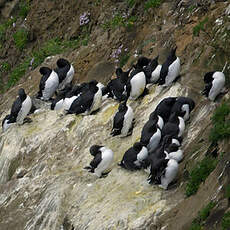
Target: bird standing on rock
{"type": "Point", "coordinates": [215, 82]}
{"type": "Point", "coordinates": [65, 72]}
{"type": "Point", "coordinates": [21, 106]}
{"type": "Point", "coordinates": [48, 83]}
{"type": "Point", "coordinates": [134, 157]}
{"type": "Point", "coordinates": [123, 120]}
{"type": "Point", "coordinates": [152, 71]}
{"type": "Point", "coordinates": [170, 70]}
{"type": "Point", "coordinates": [136, 84]}
{"type": "Point", "coordinates": [103, 158]}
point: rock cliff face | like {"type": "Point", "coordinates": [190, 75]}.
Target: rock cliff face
{"type": "Point", "coordinates": [42, 181]}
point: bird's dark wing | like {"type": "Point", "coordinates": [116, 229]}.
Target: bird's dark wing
{"type": "Point", "coordinates": [147, 132]}
{"type": "Point", "coordinates": [76, 107]}
{"type": "Point", "coordinates": [62, 72]}
{"type": "Point", "coordinates": [96, 161]}
{"type": "Point", "coordinates": [16, 107]}
{"type": "Point", "coordinates": [118, 120]}
{"type": "Point", "coordinates": [207, 89]}
{"type": "Point", "coordinates": [43, 81]}
{"type": "Point", "coordinates": [148, 72]}
{"type": "Point", "coordinates": [163, 73]}
{"type": "Point", "coordinates": [170, 129]}
{"type": "Point", "coordinates": [129, 158]}
{"type": "Point", "coordinates": [158, 169]}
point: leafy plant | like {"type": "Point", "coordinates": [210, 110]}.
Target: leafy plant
{"type": "Point", "coordinates": [202, 216]}
{"type": "Point", "coordinates": [18, 72]}
{"type": "Point", "coordinates": [4, 26]}
{"type": "Point", "coordinates": [5, 67]}
{"type": "Point", "coordinates": [221, 123]}
{"type": "Point", "coordinates": [205, 212]}
{"type": "Point", "coordinates": [195, 226]}
{"type": "Point", "coordinates": [227, 191]}
{"type": "Point", "coordinates": [24, 7]}
{"type": "Point", "coordinates": [2, 32]}
{"type": "Point", "coordinates": [124, 59]}
{"type": "Point", "coordinates": [52, 47]}
{"type": "Point", "coordinates": [199, 174]}
{"type": "Point", "coordinates": [226, 221]}
{"type": "Point", "coordinates": [199, 27]}
{"type": "Point", "coordinates": [152, 4]}
{"type": "Point", "coordinates": [21, 38]}
{"type": "Point", "coordinates": [131, 3]}
{"type": "Point", "coordinates": [191, 8]}
{"type": "Point", "coordinates": [119, 20]}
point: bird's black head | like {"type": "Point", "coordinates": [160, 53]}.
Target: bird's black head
{"type": "Point", "coordinates": [21, 93]}
{"type": "Point", "coordinates": [93, 86]}
{"type": "Point", "coordinates": [208, 77]}
{"type": "Point", "coordinates": [61, 62]}
{"type": "Point", "coordinates": [173, 51]}
{"type": "Point", "coordinates": [153, 116]}
{"type": "Point", "coordinates": [45, 70]}
{"type": "Point", "coordinates": [138, 146]}
{"type": "Point", "coordinates": [9, 119]}
{"type": "Point", "coordinates": [170, 101]}
{"type": "Point", "coordinates": [95, 149]}
{"type": "Point", "coordinates": [191, 104]}
{"type": "Point", "coordinates": [142, 61]}
{"type": "Point", "coordinates": [93, 82]}
{"type": "Point", "coordinates": [167, 140]}
{"type": "Point", "coordinates": [174, 116]}
{"type": "Point", "coordinates": [119, 72]}
{"type": "Point", "coordinates": [172, 147]}
{"type": "Point", "coordinates": [154, 62]}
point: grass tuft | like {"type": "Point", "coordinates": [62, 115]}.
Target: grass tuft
{"type": "Point", "coordinates": [21, 38]}
{"type": "Point", "coordinates": [203, 214]}
{"type": "Point", "coordinates": [225, 224]}
{"type": "Point", "coordinates": [119, 20]}
{"type": "Point", "coordinates": [131, 3]}
{"type": "Point", "coordinates": [24, 7]}
{"type": "Point", "coordinates": [221, 123]}
{"type": "Point", "coordinates": [52, 47]}
{"type": "Point", "coordinates": [227, 191]}
{"type": "Point", "coordinates": [199, 27]}
{"type": "Point", "coordinates": [152, 4]}
{"type": "Point", "coordinates": [124, 59]}
{"type": "Point", "coordinates": [199, 174]}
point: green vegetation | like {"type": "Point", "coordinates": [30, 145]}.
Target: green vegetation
{"type": "Point", "coordinates": [119, 20]}
{"type": "Point", "coordinates": [199, 174]}
{"type": "Point", "coordinates": [18, 72]}
{"type": "Point", "coordinates": [205, 212]}
{"type": "Point", "coordinates": [5, 67]}
{"type": "Point", "coordinates": [227, 191]}
{"type": "Point", "coordinates": [24, 7]}
{"type": "Point", "coordinates": [124, 59]}
{"type": "Point", "coordinates": [202, 216]}
{"type": "Point", "coordinates": [152, 4]}
{"type": "Point", "coordinates": [131, 3]}
{"type": "Point", "coordinates": [221, 123]}
{"type": "Point", "coordinates": [199, 27]}
{"type": "Point", "coordinates": [52, 47]}
{"type": "Point", "coordinates": [4, 27]}
{"type": "Point", "coordinates": [226, 221]}
{"type": "Point", "coordinates": [191, 8]}
{"type": "Point", "coordinates": [21, 38]}
{"type": "Point", "coordinates": [195, 226]}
